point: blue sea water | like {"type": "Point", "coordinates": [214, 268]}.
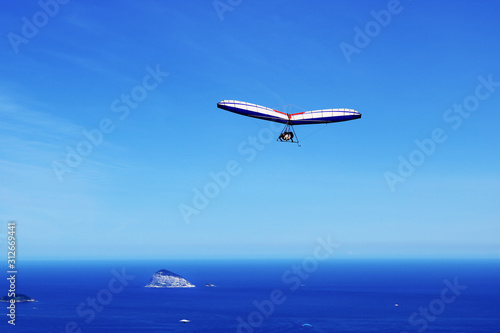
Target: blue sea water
{"type": "Point", "coordinates": [260, 296]}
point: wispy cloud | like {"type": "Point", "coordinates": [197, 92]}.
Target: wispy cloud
{"type": "Point", "coordinates": [49, 212]}
{"type": "Point", "coordinates": [29, 142]}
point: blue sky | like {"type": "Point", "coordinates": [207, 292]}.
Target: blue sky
{"type": "Point", "coordinates": [147, 76]}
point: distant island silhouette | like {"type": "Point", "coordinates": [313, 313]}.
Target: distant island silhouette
{"type": "Point", "coordinates": [167, 279]}
{"type": "Point", "coordinates": [19, 298]}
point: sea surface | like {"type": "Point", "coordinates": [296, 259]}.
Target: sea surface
{"type": "Point", "coordinates": [259, 296]}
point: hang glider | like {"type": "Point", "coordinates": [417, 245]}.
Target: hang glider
{"type": "Point", "coordinates": [289, 119]}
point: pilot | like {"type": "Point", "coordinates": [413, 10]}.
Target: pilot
{"type": "Point", "coordinates": [286, 136]}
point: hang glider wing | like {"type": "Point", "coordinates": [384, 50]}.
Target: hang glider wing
{"type": "Point", "coordinates": [301, 118]}
{"type": "Point", "coordinates": [323, 116]}
{"type": "Point", "coordinates": [253, 110]}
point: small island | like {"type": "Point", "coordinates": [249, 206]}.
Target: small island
{"type": "Point", "coordinates": [167, 279]}
{"type": "Point", "coordinates": [19, 298]}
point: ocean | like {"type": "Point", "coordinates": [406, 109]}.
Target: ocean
{"type": "Point", "coordinates": [259, 296]}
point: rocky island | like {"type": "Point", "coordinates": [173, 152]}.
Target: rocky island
{"type": "Point", "coordinates": [19, 298]}
{"type": "Point", "coordinates": [168, 279]}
